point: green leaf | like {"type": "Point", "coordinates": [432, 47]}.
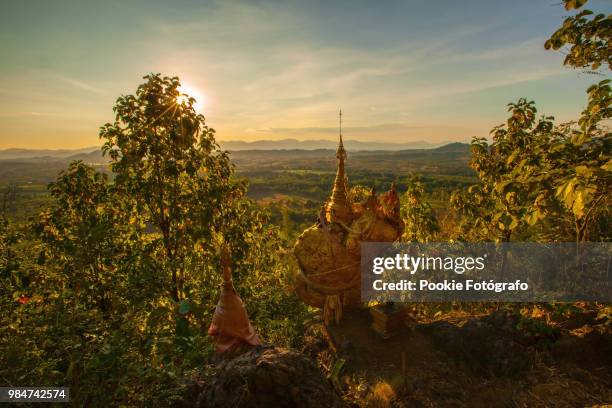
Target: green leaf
{"type": "Point", "coordinates": [578, 204]}
{"type": "Point", "coordinates": [334, 374]}
{"type": "Point", "coordinates": [584, 171]}
{"type": "Point", "coordinates": [184, 307]}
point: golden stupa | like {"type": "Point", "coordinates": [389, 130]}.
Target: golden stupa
{"type": "Point", "coordinates": [328, 253]}
{"type": "Point", "coordinates": [338, 209]}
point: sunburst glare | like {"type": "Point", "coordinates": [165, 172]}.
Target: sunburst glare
{"type": "Point", "coordinates": [187, 91]}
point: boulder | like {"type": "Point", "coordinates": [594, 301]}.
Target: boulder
{"type": "Point", "coordinates": [269, 377]}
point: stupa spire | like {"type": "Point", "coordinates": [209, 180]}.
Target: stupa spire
{"type": "Point", "coordinates": [341, 151]}
{"type": "Point", "coordinates": [338, 206]}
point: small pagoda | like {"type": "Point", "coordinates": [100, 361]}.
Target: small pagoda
{"type": "Point", "coordinates": [231, 328]}
{"type": "Point", "coordinates": [328, 253]}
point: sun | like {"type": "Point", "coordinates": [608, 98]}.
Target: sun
{"type": "Point", "coordinates": [187, 91]}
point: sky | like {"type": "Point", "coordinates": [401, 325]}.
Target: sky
{"type": "Point", "coordinates": [401, 71]}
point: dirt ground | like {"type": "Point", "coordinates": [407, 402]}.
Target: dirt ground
{"type": "Point", "coordinates": [462, 361]}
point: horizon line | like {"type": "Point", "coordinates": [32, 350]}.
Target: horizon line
{"type": "Point", "coordinates": [246, 142]}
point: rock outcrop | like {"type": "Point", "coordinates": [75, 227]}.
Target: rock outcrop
{"type": "Point", "coordinates": [269, 377]}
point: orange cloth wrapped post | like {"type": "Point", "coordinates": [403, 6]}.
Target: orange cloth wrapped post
{"type": "Point", "coordinates": [230, 325]}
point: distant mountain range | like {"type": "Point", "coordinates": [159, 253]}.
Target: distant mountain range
{"type": "Point", "coordinates": [43, 153]}
{"type": "Point", "coordinates": [93, 155]}
{"type": "Point", "coordinates": [42, 166]}
{"type": "Point", "coordinates": [293, 144]}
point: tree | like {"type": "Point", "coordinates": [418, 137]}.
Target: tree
{"type": "Point", "coordinates": [588, 38]}
{"type": "Point", "coordinates": [502, 197]}
{"type": "Point", "coordinates": [86, 235]}
{"type": "Point", "coordinates": [420, 223]}
{"type": "Point", "coordinates": [556, 179]}
{"type": "Point", "coordinates": [578, 162]}
{"type": "Point", "coordinates": [96, 310]}
{"type": "Point", "coordinates": [166, 159]}
{"type": "Point", "coordinates": [553, 178]}
{"type": "Point", "coordinates": [575, 171]}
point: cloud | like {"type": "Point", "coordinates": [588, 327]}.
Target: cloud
{"type": "Point", "coordinates": [280, 71]}
{"type": "Point", "coordinates": [69, 80]}
{"type": "Point", "coordinates": [80, 84]}
{"type": "Point", "coordinates": [268, 68]}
